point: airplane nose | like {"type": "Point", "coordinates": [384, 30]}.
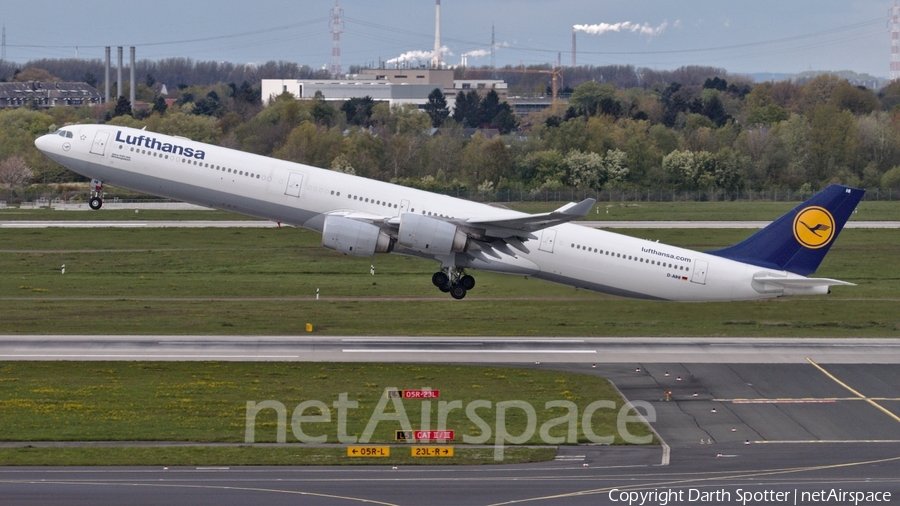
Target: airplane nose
{"type": "Point", "coordinates": [44, 142]}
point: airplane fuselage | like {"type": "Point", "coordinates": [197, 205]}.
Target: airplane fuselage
{"type": "Point", "coordinates": [303, 196]}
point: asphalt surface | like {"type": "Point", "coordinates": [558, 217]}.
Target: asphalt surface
{"type": "Point", "coordinates": [451, 349]}
{"type": "Point", "coordinates": [763, 470]}
{"type": "Point", "coordinates": [767, 426]}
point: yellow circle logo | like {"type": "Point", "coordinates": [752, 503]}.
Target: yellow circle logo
{"type": "Point", "coordinates": [814, 227]}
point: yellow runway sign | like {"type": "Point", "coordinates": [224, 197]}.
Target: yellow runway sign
{"type": "Point", "coordinates": [368, 451]}
{"type": "Point", "coordinates": [431, 451]}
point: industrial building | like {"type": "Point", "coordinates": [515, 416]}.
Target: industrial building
{"type": "Point", "coordinates": [394, 86]}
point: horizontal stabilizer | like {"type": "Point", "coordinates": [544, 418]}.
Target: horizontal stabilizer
{"type": "Point", "coordinates": [800, 282]}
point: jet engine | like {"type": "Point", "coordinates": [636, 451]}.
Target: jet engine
{"type": "Point", "coordinates": [429, 235]}
{"type": "Point", "coordinates": [352, 237]}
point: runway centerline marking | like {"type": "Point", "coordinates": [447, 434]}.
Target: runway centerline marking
{"type": "Point", "coordinates": [854, 392]}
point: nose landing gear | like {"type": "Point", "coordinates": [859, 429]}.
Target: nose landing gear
{"type": "Point", "coordinates": [455, 281]}
{"type": "Point", "coordinates": [96, 201]}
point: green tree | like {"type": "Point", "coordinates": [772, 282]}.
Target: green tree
{"type": "Point", "coordinates": [436, 107]}
{"type": "Point", "coordinates": [585, 170]}
{"type": "Point", "coordinates": [856, 99]}
{"type": "Point", "coordinates": [311, 145]}
{"type": "Point", "coordinates": [592, 98]}
{"type": "Point", "coordinates": [615, 167]}
{"type": "Point", "coordinates": [123, 107]}
{"type": "Point", "coordinates": [891, 178]}
{"type": "Point", "coordinates": [322, 112]}
{"type": "Point", "coordinates": [210, 105]}
{"type": "Point", "coordinates": [465, 110]}
{"type": "Point", "coordinates": [833, 142]}
{"type": "Point", "coordinates": [543, 168]}
{"type": "Point", "coordinates": [505, 120]}
{"type": "Point", "coordinates": [488, 109]}
{"type": "Point", "coordinates": [766, 115]}
{"type": "Point", "coordinates": [485, 160]}
{"type": "Point", "coordinates": [159, 105]}
{"type": "Point", "coordinates": [359, 110]}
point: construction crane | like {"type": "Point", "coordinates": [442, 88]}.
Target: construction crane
{"type": "Point", "coordinates": [556, 81]}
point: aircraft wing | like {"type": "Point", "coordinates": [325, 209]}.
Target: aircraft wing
{"type": "Point", "coordinates": [515, 226]}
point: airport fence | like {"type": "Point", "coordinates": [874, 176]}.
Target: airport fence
{"type": "Point", "coordinates": [33, 200]}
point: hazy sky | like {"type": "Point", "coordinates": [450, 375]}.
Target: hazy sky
{"type": "Point", "coordinates": [740, 36]}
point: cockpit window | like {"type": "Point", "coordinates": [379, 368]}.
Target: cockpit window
{"type": "Point", "coordinates": [63, 133]}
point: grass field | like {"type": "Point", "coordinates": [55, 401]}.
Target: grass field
{"type": "Point", "coordinates": [207, 402]}
{"type": "Point", "coordinates": [251, 456]}
{"type": "Point", "coordinates": [263, 281]}
{"type": "Point", "coordinates": [14, 214]}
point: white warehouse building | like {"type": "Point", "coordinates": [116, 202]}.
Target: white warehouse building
{"type": "Point", "coordinates": [394, 86]}
{"type": "Point", "coordinates": [341, 90]}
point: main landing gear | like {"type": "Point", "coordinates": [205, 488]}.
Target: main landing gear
{"type": "Point", "coordinates": [455, 281]}
{"type": "Point", "coordinates": [96, 201]}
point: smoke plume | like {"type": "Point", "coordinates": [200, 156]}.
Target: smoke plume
{"type": "Point", "coordinates": [625, 26]}
{"type": "Point", "coordinates": [418, 56]}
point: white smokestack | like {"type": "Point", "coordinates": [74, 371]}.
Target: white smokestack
{"type": "Point", "coordinates": [437, 61]}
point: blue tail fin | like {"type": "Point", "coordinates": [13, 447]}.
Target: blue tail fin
{"type": "Point", "coordinates": [798, 241]}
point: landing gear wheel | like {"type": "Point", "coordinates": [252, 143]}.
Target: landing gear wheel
{"type": "Point", "coordinates": [440, 279]}
{"type": "Point", "coordinates": [96, 203]}
{"type": "Point", "coordinates": [458, 292]}
{"type": "Point", "coordinates": [467, 281]}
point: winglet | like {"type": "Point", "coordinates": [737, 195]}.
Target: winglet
{"type": "Point", "coordinates": [798, 241]}
{"type": "Point", "coordinates": [578, 210]}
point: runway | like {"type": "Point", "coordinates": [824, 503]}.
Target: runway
{"type": "Point", "coordinates": [738, 433]}
{"type": "Point", "coordinates": [611, 473]}
{"type": "Point", "coordinates": [270, 224]}
{"type": "Point", "coordinates": [522, 350]}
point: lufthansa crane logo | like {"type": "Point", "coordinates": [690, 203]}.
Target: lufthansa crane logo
{"type": "Point", "coordinates": [814, 227]}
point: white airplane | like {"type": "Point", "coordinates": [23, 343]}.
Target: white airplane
{"type": "Point", "coordinates": [359, 216]}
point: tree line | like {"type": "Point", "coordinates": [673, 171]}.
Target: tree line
{"type": "Point", "coordinates": [715, 132]}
